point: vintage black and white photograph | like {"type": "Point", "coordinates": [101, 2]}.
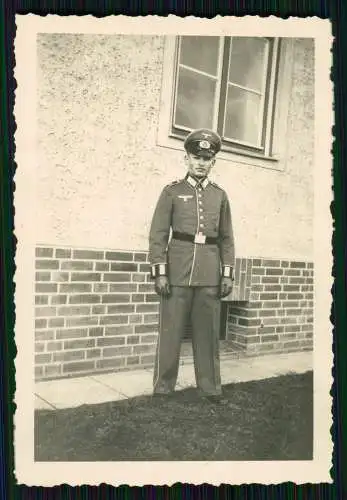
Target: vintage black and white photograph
{"type": "Point", "coordinates": [173, 263]}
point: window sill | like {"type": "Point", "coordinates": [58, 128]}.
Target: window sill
{"type": "Point", "coordinates": [230, 154]}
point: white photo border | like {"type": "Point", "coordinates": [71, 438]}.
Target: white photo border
{"type": "Point", "coordinates": [33, 473]}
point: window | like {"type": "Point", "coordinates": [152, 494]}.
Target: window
{"type": "Point", "coordinates": [227, 84]}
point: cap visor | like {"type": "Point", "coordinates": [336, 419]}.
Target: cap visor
{"type": "Point", "coordinates": [205, 154]}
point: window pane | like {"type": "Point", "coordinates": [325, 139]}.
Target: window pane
{"type": "Point", "coordinates": [242, 115]}
{"type": "Point", "coordinates": [195, 98]}
{"type": "Point", "coordinates": [248, 62]}
{"type": "Point", "coordinates": [200, 52]}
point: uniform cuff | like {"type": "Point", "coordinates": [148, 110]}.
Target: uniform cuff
{"type": "Point", "coordinates": [228, 272]}
{"type": "Point", "coordinates": [158, 270]}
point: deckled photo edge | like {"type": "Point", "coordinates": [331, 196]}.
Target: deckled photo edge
{"type": "Point", "coordinates": [48, 474]}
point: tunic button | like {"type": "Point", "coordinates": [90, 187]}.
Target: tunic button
{"type": "Point", "coordinates": [201, 225]}
{"type": "Point", "coordinates": [201, 217]}
{"type": "Point", "coordinates": [200, 210]}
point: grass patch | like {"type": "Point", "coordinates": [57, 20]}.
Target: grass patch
{"type": "Point", "coordinates": [269, 419]}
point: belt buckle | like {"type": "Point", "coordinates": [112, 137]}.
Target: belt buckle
{"type": "Point", "coordinates": [200, 238]}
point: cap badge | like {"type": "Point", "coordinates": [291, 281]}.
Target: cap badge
{"type": "Point", "coordinates": [204, 144]}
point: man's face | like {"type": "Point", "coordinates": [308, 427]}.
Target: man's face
{"type": "Point", "coordinates": [198, 166]}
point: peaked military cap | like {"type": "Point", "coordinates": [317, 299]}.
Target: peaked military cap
{"type": "Point", "coordinates": [203, 142]}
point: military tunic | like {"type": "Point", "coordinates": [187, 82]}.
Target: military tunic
{"type": "Point", "coordinates": [191, 208]}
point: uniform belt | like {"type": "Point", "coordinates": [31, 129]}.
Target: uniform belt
{"type": "Point", "coordinates": [209, 240]}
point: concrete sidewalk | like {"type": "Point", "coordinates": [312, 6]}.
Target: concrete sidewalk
{"type": "Point", "coordinates": [72, 392]}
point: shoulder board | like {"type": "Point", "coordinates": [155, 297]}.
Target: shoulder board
{"type": "Point", "coordinates": [216, 185]}
{"type": "Point", "coordinates": [174, 183]}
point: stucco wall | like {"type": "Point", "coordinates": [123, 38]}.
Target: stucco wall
{"type": "Point", "coordinates": [99, 170]}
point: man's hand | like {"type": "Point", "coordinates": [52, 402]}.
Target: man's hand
{"type": "Point", "coordinates": [162, 286]}
{"type": "Point", "coordinates": [226, 287]}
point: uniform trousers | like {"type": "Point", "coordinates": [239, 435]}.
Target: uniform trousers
{"type": "Point", "coordinates": [203, 306]}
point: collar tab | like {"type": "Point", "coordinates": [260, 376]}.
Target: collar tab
{"type": "Point", "coordinates": [194, 183]}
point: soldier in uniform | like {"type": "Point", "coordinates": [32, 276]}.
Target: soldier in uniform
{"type": "Point", "coordinates": [191, 252]}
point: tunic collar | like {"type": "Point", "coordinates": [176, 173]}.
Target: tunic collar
{"type": "Point", "coordinates": [194, 183]}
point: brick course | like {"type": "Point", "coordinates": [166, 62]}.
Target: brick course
{"type": "Point", "coordinates": [278, 309]}
{"type": "Point", "coordinates": [96, 310]}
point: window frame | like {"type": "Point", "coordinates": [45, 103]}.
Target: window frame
{"type": "Point", "coordinates": [263, 147]}
{"type": "Point", "coordinates": [274, 157]}
{"type": "Point", "coordinates": [270, 69]}
{"type": "Point", "coordinates": [218, 78]}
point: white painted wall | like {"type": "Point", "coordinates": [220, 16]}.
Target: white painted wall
{"type": "Point", "coordinates": [100, 170]}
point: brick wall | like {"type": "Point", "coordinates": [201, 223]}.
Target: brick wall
{"type": "Point", "coordinates": [96, 310]}
{"type": "Point", "coordinates": [279, 313]}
